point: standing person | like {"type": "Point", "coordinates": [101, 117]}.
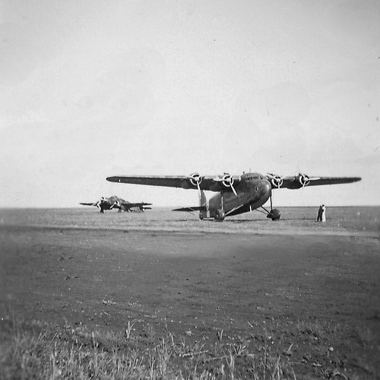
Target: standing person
{"type": "Point", "coordinates": [323, 214]}
{"type": "Point", "coordinates": [319, 217]}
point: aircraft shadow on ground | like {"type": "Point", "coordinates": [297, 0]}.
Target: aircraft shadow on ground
{"type": "Point", "coordinates": [235, 221]}
{"type": "Point", "coordinates": [263, 220]}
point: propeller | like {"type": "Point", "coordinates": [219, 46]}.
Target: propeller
{"type": "Point", "coordinates": [115, 204]}
{"type": "Point", "coordinates": [275, 180]}
{"type": "Point", "coordinates": [195, 179]}
{"type": "Point", "coordinates": [99, 202]}
{"type": "Point", "coordinates": [303, 179]}
{"type": "Point", "coordinates": [228, 181]}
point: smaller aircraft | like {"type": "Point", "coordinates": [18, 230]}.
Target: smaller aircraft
{"type": "Point", "coordinates": [116, 202]}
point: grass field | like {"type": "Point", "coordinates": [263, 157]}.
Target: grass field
{"type": "Point", "coordinates": [294, 219]}
{"type": "Point", "coordinates": [162, 295]}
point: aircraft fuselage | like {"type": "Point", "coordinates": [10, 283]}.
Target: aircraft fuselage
{"type": "Point", "coordinates": [251, 192]}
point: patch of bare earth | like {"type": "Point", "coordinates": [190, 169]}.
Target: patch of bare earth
{"type": "Point", "coordinates": [212, 303]}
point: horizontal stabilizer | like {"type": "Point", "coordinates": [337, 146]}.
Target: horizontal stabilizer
{"type": "Point", "coordinates": [191, 209]}
{"type": "Point", "coordinates": [139, 204]}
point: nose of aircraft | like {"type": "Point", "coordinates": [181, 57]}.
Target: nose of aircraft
{"type": "Point", "coordinates": [265, 190]}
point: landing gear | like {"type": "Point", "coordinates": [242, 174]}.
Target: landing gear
{"type": "Point", "coordinates": [274, 213]}
{"type": "Point", "coordinates": [219, 215]}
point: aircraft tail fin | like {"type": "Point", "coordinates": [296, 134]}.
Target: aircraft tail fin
{"type": "Point", "coordinates": [202, 208]}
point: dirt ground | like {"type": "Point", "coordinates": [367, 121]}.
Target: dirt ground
{"type": "Point", "coordinates": [316, 292]}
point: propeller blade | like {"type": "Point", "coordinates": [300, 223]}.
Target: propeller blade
{"type": "Point", "coordinates": [196, 179]}
{"type": "Point", "coordinates": [199, 189]}
{"type": "Point", "coordinates": [228, 181]}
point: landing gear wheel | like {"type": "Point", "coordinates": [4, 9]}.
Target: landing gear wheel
{"type": "Point", "coordinates": [274, 214]}
{"type": "Point", "coordinates": [219, 215]}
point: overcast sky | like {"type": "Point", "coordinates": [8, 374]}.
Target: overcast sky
{"type": "Point", "coordinates": [90, 89]}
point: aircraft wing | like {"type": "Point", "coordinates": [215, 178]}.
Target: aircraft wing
{"type": "Point", "coordinates": [169, 181]}
{"type": "Point", "coordinates": [302, 180]}
{"type": "Point", "coordinates": [224, 182]}
{"type": "Point", "coordinates": [317, 181]}
{"type": "Point", "coordinates": [89, 204]}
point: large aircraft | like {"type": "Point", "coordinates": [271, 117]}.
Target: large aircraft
{"type": "Point", "coordinates": [235, 194]}
{"type": "Point", "coordinates": [118, 203]}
